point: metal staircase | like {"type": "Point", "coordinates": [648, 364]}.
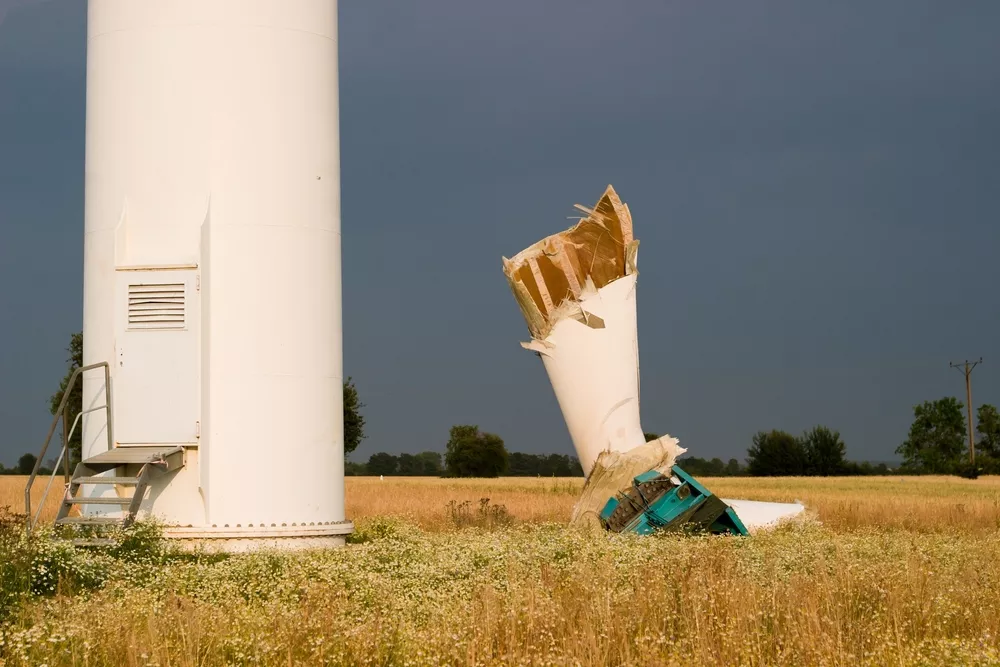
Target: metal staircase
{"type": "Point", "coordinates": [150, 461]}
{"type": "Point", "coordinates": [145, 461]}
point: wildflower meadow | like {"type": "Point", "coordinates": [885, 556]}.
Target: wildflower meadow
{"type": "Point", "coordinates": [488, 572]}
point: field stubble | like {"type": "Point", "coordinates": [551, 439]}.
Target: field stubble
{"type": "Point", "coordinates": [920, 504]}
{"type": "Point", "coordinates": [896, 571]}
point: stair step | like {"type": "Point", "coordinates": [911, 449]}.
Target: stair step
{"type": "Point", "coordinates": [80, 500]}
{"type": "Point", "coordinates": [171, 455]}
{"type": "Point", "coordinates": [124, 481]}
{"type": "Point", "coordinates": [93, 542]}
{"type": "Point", "coordinates": [88, 521]}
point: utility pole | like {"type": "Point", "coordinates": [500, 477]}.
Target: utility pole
{"type": "Point", "coordinates": [966, 368]}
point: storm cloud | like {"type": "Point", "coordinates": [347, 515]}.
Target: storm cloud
{"type": "Point", "coordinates": [813, 185]}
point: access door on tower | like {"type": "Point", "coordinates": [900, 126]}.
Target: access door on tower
{"type": "Point", "coordinates": [157, 380]}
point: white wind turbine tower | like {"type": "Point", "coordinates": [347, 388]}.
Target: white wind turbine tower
{"type": "Point", "coordinates": [212, 274]}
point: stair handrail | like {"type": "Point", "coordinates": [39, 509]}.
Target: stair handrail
{"type": "Point", "coordinates": [60, 413]}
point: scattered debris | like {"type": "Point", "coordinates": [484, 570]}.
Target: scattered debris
{"type": "Point", "coordinates": [576, 290]}
{"type": "Point", "coordinates": [669, 502]}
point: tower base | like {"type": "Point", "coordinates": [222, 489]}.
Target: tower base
{"type": "Point", "coordinates": [243, 539]}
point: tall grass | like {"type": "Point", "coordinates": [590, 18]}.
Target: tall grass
{"type": "Point", "coordinates": [894, 572]}
{"type": "Point", "coordinates": [12, 494]}
{"type": "Point", "coordinates": [920, 504]}
{"type": "Point", "coordinates": [541, 595]}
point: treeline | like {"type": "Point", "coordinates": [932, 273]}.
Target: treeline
{"type": "Point", "coordinates": [473, 453]}
{"type": "Point", "coordinates": [711, 468]}
{"type": "Point", "coordinates": [937, 444]}
{"type": "Point", "coordinates": [938, 440]}
{"type": "Point", "coordinates": [424, 464]}
{"type": "Point", "coordinates": [430, 464]}
{"type": "Point", "coordinates": [25, 465]}
{"type": "Point", "coordinates": [543, 465]}
{"type": "Point", "coordinates": [469, 452]}
{"type": "Point", "coordinates": [817, 452]}
{"type": "Point", "coordinates": [733, 468]}
{"type": "Point", "coordinates": [777, 453]}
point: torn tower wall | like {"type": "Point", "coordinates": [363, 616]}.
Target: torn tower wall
{"type": "Point", "coordinates": [576, 290]}
{"type": "Point", "coordinates": [614, 471]}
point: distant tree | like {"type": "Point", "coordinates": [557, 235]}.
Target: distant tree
{"type": "Point", "coordinates": [557, 465]}
{"type": "Point", "coordinates": [694, 465]}
{"type": "Point", "coordinates": [937, 437]}
{"type": "Point", "coordinates": [354, 421]}
{"type": "Point", "coordinates": [824, 451]}
{"type": "Point", "coordinates": [776, 453]}
{"type": "Point", "coordinates": [989, 431]}
{"type": "Point", "coordinates": [855, 469]}
{"type": "Point", "coordinates": [382, 464]}
{"type": "Point", "coordinates": [864, 468]}
{"type": "Point", "coordinates": [26, 464]}
{"type": "Point", "coordinates": [352, 469]}
{"type": "Point", "coordinates": [425, 464]}
{"type": "Point", "coordinates": [521, 464]}
{"type": "Point", "coordinates": [430, 464]}
{"type": "Point", "coordinates": [408, 465]}
{"type": "Point", "coordinates": [650, 436]}
{"type": "Point", "coordinates": [75, 401]}
{"type": "Point", "coordinates": [470, 453]}
{"type": "Point", "coordinates": [709, 468]}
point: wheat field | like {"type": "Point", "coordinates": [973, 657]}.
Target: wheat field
{"type": "Point", "coordinates": [919, 504]}
{"type": "Point", "coordinates": [887, 571]}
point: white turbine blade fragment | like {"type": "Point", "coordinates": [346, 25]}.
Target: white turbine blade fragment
{"type": "Point", "coordinates": [758, 515]}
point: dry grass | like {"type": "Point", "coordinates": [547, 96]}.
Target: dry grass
{"type": "Point", "coordinates": [424, 500]}
{"type": "Point", "coordinates": [919, 504]}
{"type": "Point", "coordinates": [12, 494]}
{"type": "Point", "coordinates": [899, 571]}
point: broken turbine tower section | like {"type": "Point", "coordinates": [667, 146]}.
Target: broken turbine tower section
{"type": "Point", "coordinates": [576, 290]}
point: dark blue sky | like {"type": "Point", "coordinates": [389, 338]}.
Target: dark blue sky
{"type": "Point", "coordinates": [816, 188]}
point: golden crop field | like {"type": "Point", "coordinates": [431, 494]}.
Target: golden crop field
{"type": "Point", "coordinates": [900, 571]}
{"type": "Point", "coordinates": [920, 504]}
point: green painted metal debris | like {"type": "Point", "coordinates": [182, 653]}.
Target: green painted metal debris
{"type": "Point", "coordinates": [675, 502]}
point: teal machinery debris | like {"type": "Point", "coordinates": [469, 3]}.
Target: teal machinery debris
{"type": "Point", "coordinates": [675, 502]}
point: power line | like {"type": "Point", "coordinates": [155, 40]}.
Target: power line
{"type": "Point", "coordinates": [966, 368]}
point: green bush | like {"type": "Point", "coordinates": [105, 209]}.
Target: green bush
{"type": "Point", "coordinates": [142, 542]}
{"type": "Point", "coordinates": [15, 560]}
{"type": "Point", "coordinates": [40, 564]}
{"type": "Point", "coordinates": [44, 564]}
{"type": "Point", "coordinates": [378, 528]}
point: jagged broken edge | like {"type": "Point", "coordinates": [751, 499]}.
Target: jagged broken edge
{"type": "Point", "coordinates": [562, 251]}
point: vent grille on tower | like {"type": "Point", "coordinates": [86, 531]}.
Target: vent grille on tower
{"type": "Point", "coordinates": [156, 306]}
